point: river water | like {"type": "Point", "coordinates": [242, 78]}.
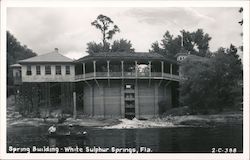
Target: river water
{"type": "Point", "coordinates": [157, 140]}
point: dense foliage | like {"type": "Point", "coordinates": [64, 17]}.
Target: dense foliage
{"type": "Point", "coordinates": [121, 45]}
{"type": "Point", "coordinates": [15, 51]}
{"type": "Point", "coordinates": [196, 43]}
{"type": "Point", "coordinates": [93, 47]}
{"type": "Point", "coordinates": [212, 84]}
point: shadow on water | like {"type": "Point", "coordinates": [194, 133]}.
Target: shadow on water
{"type": "Point", "coordinates": [159, 140]}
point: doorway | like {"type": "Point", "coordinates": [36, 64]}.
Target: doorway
{"type": "Point", "coordinates": [129, 101]}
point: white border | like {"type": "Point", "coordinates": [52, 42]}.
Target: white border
{"type": "Point", "coordinates": [96, 3]}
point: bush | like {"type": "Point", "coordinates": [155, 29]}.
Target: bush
{"type": "Point", "coordinates": [212, 84]}
{"type": "Point", "coordinates": [67, 110]}
{"type": "Point", "coordinates": [178, 111]}
{"type": "Point", "coordinates": [163, 106]}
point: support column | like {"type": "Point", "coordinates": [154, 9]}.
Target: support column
{"type": "Point", "coordinates": [108, 68]}
{"type": "Point", "coordinates": [74, 104]}
{"type": "Point", "coordinates": [122, 101]}
{"type": "Point", "coordinates": [47, 97]}
{"type": "Point", "coordinates": [149, 65]}
{"type": "Point", "coordinates": [162, 68]}
{"type": "Point", "coordinates": [136, 71]}
{"type": "Point", "coordinates": [72, 90]}
{"type": "Point", "coordinates": [171, 69]}
{"type": "Point", "coordinates": [62, 95]}
{"type": "Point", "coordinates": [102, 104]}
{"type": "Point", "coordinates": [91, 94]}
{"type": "Point", "coordinates": [83, 69]}
{"type": "Point", "coordinates": [137, 109]}
{"type": "Point", "coordinates": [83, 97]}
{"type": "Point", "coordinates": [94, 66]}
{"type": "Point", "coordinates": [49, 101]}
{"type": "Point", "coordinates": [156, 100]}
{"type": "Point", "coordinates": [122, 69]}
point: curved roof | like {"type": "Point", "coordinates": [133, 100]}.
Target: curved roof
{"type": "Point", "coordinates": [47, 58]}
{"type": "Point", "coordinates": [125, 56]}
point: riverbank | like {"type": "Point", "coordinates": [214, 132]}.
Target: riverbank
{"type": "Point", "coordinates": [167, 121]}
{"type": "Point", "coordinates": [178, 117]}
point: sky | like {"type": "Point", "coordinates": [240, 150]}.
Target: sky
{"type": "Point", "coordinates": [69, 29]}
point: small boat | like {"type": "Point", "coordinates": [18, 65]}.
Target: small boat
{"type": "Point", "coordinates": [68, 135]}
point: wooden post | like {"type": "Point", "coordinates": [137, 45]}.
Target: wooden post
{"type": "Point", "coordinates": [102, 102]}
{"type": "Point", "coordinates": [83, 69]}
{"type": "Point", "coordinates": [94, 66]}
{"type": "Point", "coordinates": [171, 69]}
{"type": "Point", "coordinates": [108, 68]}
{"type": "Point", "coordinates": [49, 95]}
{"type": "Point", "coordinates": [149, 65]}
{"type": "Point", "coordinates": [91, 94]}
{"type": "Point", "coordinates": [74, 104]}
{"type": "Point", "coordinates": [83, 94]}
{"type": "Point", "coordinates": [156, 100]}
{"type": "Point", "coordinates": [162, 68]}
{"type": "Point", "coordinates": [62, 95]}
{"type": "Point", "coordinates": [122, 69]}
{"type": "Point", "coordinates": [122, 101]}
{"type": "Point", "coordinates": [136, 74]}
{"type": "Point", "coordinates": [137, 109]}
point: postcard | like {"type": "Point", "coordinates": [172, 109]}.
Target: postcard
{"type": "Point", "coordinates": [124, 80]}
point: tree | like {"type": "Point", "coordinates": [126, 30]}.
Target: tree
{"type": "Point", "coordinates": [93, 47]}
{"type": "Point", "coordinates": [212, 83]}
{"type": "Point", "coordinates": [122, 45]}
{"type": "Point", "coordinates": [15, 52]}
{"type": "Point", "coordinates": [196, 43]}
{"type": "Point", "coordinates": [156, 48]}
{"type": "Point", "coordinates": [106, 26]}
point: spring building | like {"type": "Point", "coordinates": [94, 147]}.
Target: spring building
{"type": "Point", "coordinates": [105, 85]}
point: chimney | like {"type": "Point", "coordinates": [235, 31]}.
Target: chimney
{"type": "Point", "coordinates": [56, 50]}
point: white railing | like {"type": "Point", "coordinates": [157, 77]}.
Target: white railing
{"type": "Point", "coordinates": [106, 75]}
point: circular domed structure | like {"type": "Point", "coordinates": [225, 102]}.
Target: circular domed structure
{"type": "Point", "coordinates": [126, 85]}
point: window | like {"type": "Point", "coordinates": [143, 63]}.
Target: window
{"type": "Point", "coordinates": [129, 86]}
{"type": "Point", "coordinates": [58, 70]}
{"type": "Point", "coordinates": [28, 70]}
{"type": "Point", "coordinates": [47, 70]}
{"type": "Point", "coordinates": [38, 70]}
{"type": "Point", "coordinates": [67, 69]}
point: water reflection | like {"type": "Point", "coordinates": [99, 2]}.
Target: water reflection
{"type": "Point", "coordinates": [52, 142]}
{"type": "Point", "coordinates": [161, 140]}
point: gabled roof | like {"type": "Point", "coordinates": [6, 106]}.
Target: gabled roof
{"type": "Point", "coordinates": [125, 56]}
{"type": "Point", "coordinates": [49, 57]}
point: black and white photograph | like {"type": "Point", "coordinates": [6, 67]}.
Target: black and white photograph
{"type": "Point", "coordinates": [127, 79]}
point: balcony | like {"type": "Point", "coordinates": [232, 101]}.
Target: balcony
{"type": "Point", "coordinates": [141, 69]}
{"type": "Point", "coordinates": [126, 75]}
